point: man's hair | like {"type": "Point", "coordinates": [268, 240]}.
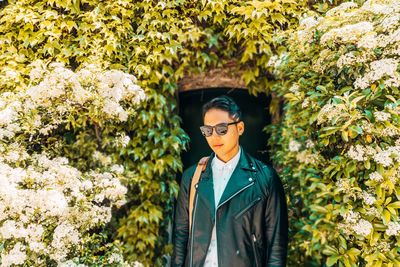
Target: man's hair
{"type": "Point", "coordinates": [224, 103]}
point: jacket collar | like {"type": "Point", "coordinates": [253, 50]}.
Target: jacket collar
{"type": "Point", "coordinates": [241, 178]}
{"type": "Point", "coordinates": [244, 163]}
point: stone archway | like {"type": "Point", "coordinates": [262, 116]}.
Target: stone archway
{"type": "Point", "coordinates": [227, 77]}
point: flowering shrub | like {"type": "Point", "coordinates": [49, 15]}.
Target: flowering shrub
{"type": "Point", "coordinates": [339, 141]}
{"type": "Point", "coordinates": [49, 208]}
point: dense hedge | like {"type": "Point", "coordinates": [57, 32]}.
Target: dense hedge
{"type": "Point", "coordinates": [339, 140]}
{"type": "Point", "coordinates": [106, 33]}
{"type": "Point", "coordinates": [159, 42]}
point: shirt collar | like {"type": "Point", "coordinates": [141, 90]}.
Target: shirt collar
{"type": "Point", "coordinates": [231, 164]}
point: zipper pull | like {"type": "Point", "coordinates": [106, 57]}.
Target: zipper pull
{"type": "Point", "coordinates": [254, 238]}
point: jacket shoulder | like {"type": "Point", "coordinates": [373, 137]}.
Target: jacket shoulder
{"type": "Point", "coordinates": [188, 174]}
{"type": "Point", "coordinates": [269, 178]}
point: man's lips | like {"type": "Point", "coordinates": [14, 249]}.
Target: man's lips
{"type": "Point", "coordinates": [218, 145]}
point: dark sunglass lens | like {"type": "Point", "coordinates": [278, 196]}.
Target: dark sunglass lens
{"type": "Point", "coordinates": [206, 131]}
{"type": "Point", "coordinates": [221, 129]}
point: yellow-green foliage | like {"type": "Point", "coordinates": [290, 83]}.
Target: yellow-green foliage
{"type": "Point", "coordinates": [159, 42]}
{"type": "Point", "coordinates": [339, 141]}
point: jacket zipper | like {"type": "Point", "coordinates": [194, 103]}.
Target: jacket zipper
{"type": "Point", "coordinates": [192, 230]}
{"type": "Point", "coordinates": [247, 208]}
{"type": "Point", "coordinates": [219, 205]}
{"type": "Point", "coordinates": [253, 243]}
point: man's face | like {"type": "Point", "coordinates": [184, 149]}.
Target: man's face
{"type": "Point", "coordinates": [225, 146]}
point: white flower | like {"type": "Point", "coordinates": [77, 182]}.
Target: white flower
{"type": "Point", "coordinates": [368, 41]}
{"type": "Point", "coordinates": [11, 74]}
{"type": "Point", "coordinates": [305, 103]}
{"type": "Point", "coordinates": [341, 9]}
{"type": "Point", "coordinates": [368, 198]}
{"type": "Point", "coordinates": [294, 146]}
{"type": "Point", "coordinates": [357, 152]}
{"type": "Point", "coordinates": [137, 264]}
{"type": "Point", "coordinates": [117, 168]}
{"type": "Point", "coordinates": [122, 140]}
{"type": "Point", "coordinates": [390, 22]}
{"type": "Point", "coordinates": [309, 22]}
{"type": "Point", "coordinates": [310, 143]}
{"type": "Point", "coordinates": [330, 112]}
{"type": "Point", "coordinates": [272, 61]}
{"type": "Point", "coordinates": [383, 158]}
{"type": "Point", "coordinates": [381, 115]}
{"type": "Point", "coordinates": [70, 263]}
{"type": "Point", "coordinates": [115, 258]}
{"type": "Point", "coordinates": [386, 67]}
{"type": "Point", "coordinates": [346, 60]}
{"type": "Point", "coordinates": [8, 115]}
{"type": "Point", "coordinates": [65, 236]}
{"type": "Point", "coordinates": [393, 229]}
{"type": "Point", "coordinates": [351, 217]}
{"type": "Point", "coordinates": [15, 256]}
{"type": "Point", "coordinates": [348, 33]}
{"type": "Point", "coordinates": [11, 229]}
{"type": "Point", "coordinates": [376, 176]}
{"type": "Point", "coordinates": [377, 8]}
{"type": "Point", "coordinates": [295, 89]}
{"type": "Point", "coordinates": [307, 157]}
{"type": "Point", "coordinates": [363, 227]}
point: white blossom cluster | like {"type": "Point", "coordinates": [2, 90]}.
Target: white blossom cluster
{"type": "Point", "coordinates": [355, 49]}
{"type": "Point", "coordinates": [368, 198]}
{"type": "Point", "coordinates": [331, 113]}
{"type": "Point", "coordinates": [354, 224]}
{"type": "Point", "coordinates": [379, 69]}
{"type": "Point", "coordinates": [348, 33]}
{"type": "Point", "coordinates": [341, 9]}
{"type": "Point", "coordinates": [362, 227]}
{"type": "Point", "coordinates": [385, 157]}
{"type": "Point", "coordinates": [393, 229]}
{"type": "Point", "coordinates": [366, 34]}
{"type": "Point", "coordinates": [56, 92]}
{"type": "Point", "coordinates": [294, 146]}
{"type": "Point", "coordinates": [307, 157]}
{"type": "Point", "coordinates": [376, 176]}
{"type": "Point", "coordinates": [47, 208]}
{"type": "Point", "coordinates": [90, 85]}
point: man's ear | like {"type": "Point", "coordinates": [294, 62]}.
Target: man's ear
{"type": "Point", "coordinates": [240, 127]}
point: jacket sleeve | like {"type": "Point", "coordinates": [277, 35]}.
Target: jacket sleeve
{"type": "Point", "coordinates": [181, 222]}
{"type": "Point", "coordinates": [276, 221]}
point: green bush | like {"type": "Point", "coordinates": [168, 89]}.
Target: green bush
{"type": "Point", "coordinates": [159, 42]}
{"type": "Point", "coordinates": [338, 143]}
{"type": "Point", "coordinates": [79, 33]}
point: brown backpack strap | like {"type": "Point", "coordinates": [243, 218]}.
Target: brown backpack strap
{"type": "Point", "coordinates": [201, 166]}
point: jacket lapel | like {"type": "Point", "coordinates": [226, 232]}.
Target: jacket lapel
{"type": "Point", "coordinates": [241, 178]}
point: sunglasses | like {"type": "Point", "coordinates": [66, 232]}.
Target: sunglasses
{"type": "Point", "coordinates": [220, 129]}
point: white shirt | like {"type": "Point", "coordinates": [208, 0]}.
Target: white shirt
{"type": "Point", "coordinates": [222, 172]}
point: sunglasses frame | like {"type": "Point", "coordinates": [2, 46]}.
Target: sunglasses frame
{"type": "Point", "coordinates": [224, 124]}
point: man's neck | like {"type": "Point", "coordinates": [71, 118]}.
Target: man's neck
{"type": "Point", "coordinates": [227, 157]}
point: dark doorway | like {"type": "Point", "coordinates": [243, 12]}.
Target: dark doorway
{"type": "Point", "coordinates": [255, 116]}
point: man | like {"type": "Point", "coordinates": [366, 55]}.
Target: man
{"type": "Point", "coordinates": [239, 214]}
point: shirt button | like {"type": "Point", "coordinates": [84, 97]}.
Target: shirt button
{"type": "Point", "coordinates": [250, 179]}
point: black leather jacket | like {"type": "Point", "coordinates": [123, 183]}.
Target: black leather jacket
{"type": "Point", "coordinates": [251, 218]}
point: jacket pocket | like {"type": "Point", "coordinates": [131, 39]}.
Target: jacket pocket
{"type": "Point", "coordinates": [240, 213]}
{"type": "Point", "coordinates": [255, 251]}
